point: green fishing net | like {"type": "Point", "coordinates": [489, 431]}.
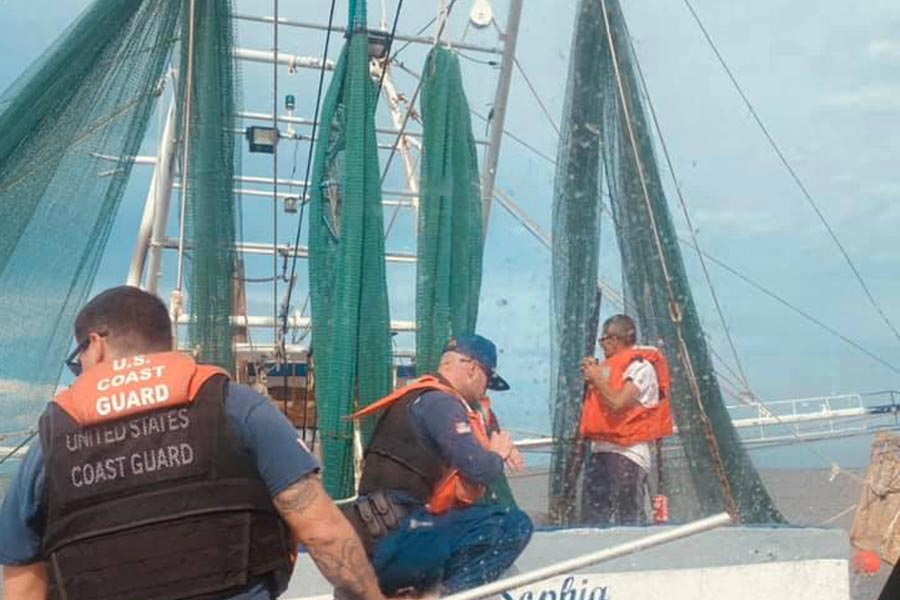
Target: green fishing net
{"type": "Point", "coordinates": [351, 321]}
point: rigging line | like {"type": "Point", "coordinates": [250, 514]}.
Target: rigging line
{"type": "Point", "coordinates": [834, 518]}
{"type": "Point", "coordinates": [275, 176]}
{"type": "Point", "coordinates": [309, 157]}
{"type": "Point", "coordinates": [536, 96]}
{"type": "Point", "coordinates": [387, 51]}
{"type": "Point", "coordinates": [759, 287]}
{"type": "Point", "coordinates": [422, 30]}
{"type": "Point", "coordinates": [522, 142]}
{"type": "Point", "coordinates": [519, 214]}
{"type": "Point", "coordinates": [185, 149]}
{"type": "Point", "coordinates": [445, 16]}
{"type": "Point", "coordinates": [12, 452]}
{"type": "Point", "coordinates": [541, 236]}
{"type": "Point", "coordinates": [742, 375]}
{"type": "Point", "coordinates": [687, 217]}
{"type": "Point", "coordinates": [396, 211]}
{"type": "Point", "coordinates": [796, 309]}
{"type": "Point", "coordinates": [718, 464]}
{"type": "Point", "coordinates": [483, 118]}
{"type": "Point", "coordinates": [733, 378]}
{"type": "Point", "coordinates": [793, 174]}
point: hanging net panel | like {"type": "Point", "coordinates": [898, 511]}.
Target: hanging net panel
{"type": "Point", "coordinates": [351, 322]}
{"type": "Point", "coordinates": [576, 250]}
{"type": "Point", "coordinates": [448, 277]}
{"type": "Point", "coordinates": [211, 213]}
{"type": "Point", "coordinates": [69, 127]}
{"type": "Point", "coordinates": [704, 468]}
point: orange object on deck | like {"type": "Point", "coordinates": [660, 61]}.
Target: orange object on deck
{"type": "Point", "coordinates": [865, 562]}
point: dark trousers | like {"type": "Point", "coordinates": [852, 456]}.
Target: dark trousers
{"type": "Point", "coordinates": [458, 550]}
{"type": "Point", "coordinates": [613, 490]}
{"type": "Point", "coordinates": [891, 589]}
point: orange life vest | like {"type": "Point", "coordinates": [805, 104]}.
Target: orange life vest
{"type": "Point", "coordinates": [453, 490]}
{"type": "Point", "coordinates": [636, 423]}
{"type": "Point", "coordinates": [490, 419]}
{"type": "Point", "coordinates": [131, 386]}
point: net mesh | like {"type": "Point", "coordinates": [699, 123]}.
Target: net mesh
{"type": "Point", "coordinates": [70, 124]}
{"type": "Point", "coordinates": [705, 468]}
{"type": "Point", "coordinates": [211, 214]}
{"type": "Point", "coordinates": [450, 224]}
{"type": "Point", "coordinates": [576, 248]}
{"type": "Point", "coordinates": [351, 321]}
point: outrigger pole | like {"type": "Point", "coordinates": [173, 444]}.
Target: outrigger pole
{"type": "Point", "coordinates": [489, 172]}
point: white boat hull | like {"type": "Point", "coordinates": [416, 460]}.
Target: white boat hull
{"type": "Point", "coordinates": [737, 563]}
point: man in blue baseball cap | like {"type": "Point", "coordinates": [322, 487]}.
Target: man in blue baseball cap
{"type": "Point", "coordinates": [424, 510]}
{"type": "Point", "coordinates": [482, 350]}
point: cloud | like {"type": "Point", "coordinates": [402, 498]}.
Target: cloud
{"type": "Point", "coordinates": [20, 388]}
{"type": "Point", "coordinates": [744, 223]}
{"type": "Point", "coordinates": [878, 96]}
{"type": "Point", "coordinates": [884, 50]}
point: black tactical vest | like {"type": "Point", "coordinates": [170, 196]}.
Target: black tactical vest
{"type": "Point", "coordinates": [396, 459]}
{"type": "Point", "coordinates": [160, 506]}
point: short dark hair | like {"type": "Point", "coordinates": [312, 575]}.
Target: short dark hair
{"type": "Point", "coordinates": [621, 326]}
{"type": "Point", "coordinates": [133, 320]}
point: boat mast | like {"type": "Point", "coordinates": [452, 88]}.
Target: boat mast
{"type": "Point", "coordinates": [157, 207]}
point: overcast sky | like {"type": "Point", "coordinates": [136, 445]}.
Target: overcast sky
{"type": "Point", "coordinates": [823, 76]}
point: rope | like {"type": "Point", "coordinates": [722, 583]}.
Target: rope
{"type": "Point", "coordinates": [185, 163]}
{"type": "Point", "coordinates": [730, 504]}
{"type": "Point", "coordinates": [396, 211]}
{"type": "Point", "coordinates": [309, 158]}
{"type": "Point", "coordinates": [796, 309]}
{"type": "Point", "coordinates": [537, 97]}
{"type": "Point", "coordinates": [19, 447]}
{"type": "Point", "coordinates": [444, 15]}
{"type": "Point", "coordinates": [793, 174]}
{"type": "Point", "coordinates": [687, 217]}
{"type": "Point", "coordinates": [387, 51]}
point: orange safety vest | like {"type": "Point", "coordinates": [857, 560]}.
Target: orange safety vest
{"type": "Point", "coordinates": [490, 419]}
{"type": "Point", "coordinates": [633, 424]}
{"type": "Point", "coordinates": [126, 387]}
{"type": "Point", "coordinates": [453, 490]}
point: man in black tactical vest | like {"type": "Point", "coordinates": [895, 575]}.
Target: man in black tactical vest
{"type": "Point", "coordinates": [424, 510]}
{"type": "Point", "coordinates": [158, 478]}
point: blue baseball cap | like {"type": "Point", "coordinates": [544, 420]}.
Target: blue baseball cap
{"type": "Point", "coordinates": [484, 351]}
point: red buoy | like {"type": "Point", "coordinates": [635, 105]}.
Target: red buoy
{"type": "Point", "coordinates": [865, 562]}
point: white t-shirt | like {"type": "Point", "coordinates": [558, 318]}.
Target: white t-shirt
{"type": "Point", "coordinates": [643, 375]}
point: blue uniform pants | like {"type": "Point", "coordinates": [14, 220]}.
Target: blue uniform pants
{"type": "Point", "coordinates": [459, 550]}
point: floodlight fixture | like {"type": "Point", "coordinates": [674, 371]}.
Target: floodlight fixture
{"type": "Point", "coordinates": [262, 139]}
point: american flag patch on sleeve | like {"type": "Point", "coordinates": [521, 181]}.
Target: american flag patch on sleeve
{"type": "Point", "coordinates": [463, 427]}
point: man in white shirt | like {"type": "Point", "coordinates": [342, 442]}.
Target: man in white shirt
{"type": "Point", "coordinates": [626, 387]}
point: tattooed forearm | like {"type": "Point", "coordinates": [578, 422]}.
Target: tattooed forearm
{"type": "Point", "coordinates": [332, 543]}
{"type": "Point", "coordinates": [298, 497]}
{"type": "Point", "coordinates": [345, 565]}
